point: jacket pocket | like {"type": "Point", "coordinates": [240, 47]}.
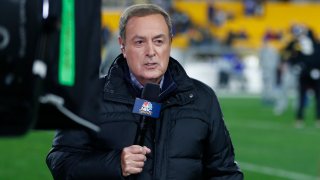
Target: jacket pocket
{"type": "Point", "coordinates": [188, 131]}
{"type": "Point", "coordinates": [118, 130]}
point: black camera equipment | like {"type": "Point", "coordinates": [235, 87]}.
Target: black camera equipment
{"type": "Point", "coordinates": [49, 64]}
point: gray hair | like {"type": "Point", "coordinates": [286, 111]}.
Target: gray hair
{"type": "Point", "coordinates": [141, 10]}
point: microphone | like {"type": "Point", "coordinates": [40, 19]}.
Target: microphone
{"type": "Point", "coordinates": [148, 108]}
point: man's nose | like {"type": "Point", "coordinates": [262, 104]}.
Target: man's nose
{"type": "Point", "coordinates": [150, 50]}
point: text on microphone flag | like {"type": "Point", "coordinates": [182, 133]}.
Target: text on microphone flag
{"type": "Point", "coordinates": [146, 108]}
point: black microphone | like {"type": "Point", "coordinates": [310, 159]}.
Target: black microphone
{"type": "Point", "coordinates": [148, 108]}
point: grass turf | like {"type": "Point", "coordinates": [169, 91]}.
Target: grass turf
{"type": "Point", "coordinates": [265, 140]}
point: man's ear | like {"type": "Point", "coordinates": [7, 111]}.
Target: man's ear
{"type": "Point", "coordinates": [120, 40]}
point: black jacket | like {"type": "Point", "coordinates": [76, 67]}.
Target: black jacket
{"type": "Point", "coordinates": [188, 142]}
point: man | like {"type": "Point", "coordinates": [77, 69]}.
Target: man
{"type": "Point", "coordinates": [304, 58]}
{"type": "Point", "coordinates": [269, 60]}
{"type": "Point", "coordinates": [189, 140]}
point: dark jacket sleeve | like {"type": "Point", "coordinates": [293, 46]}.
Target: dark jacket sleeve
{"type": "Point", "coordinates": [72, 157]}
{"type": "Point", "coordinates": [219, 157]}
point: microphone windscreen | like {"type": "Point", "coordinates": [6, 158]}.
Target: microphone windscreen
{"type": "Point", "coordinates": [151, 92]}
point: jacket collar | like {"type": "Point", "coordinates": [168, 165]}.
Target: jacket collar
{"type": "Point", "coordinates": [118, 84]}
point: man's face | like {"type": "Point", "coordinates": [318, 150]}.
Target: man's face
{"type": "Point", "coordinates": [147, 47]}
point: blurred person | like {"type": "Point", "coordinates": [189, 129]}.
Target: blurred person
{"type": "Point", "coordinates": [309, 78]}
{"type": "Point", "coordinates": [211, 12]}
{"type": "Point", "coordinates": [199, 36]}
{"type": "Point", "coordinates": [237, 72]}
{"type": "Point", "coordinates": [231, 37]}
{"type": "Point", "coordinates": [188, 141]}
{"type": "Point", "coordinates": [216, 16]}
{"type": "Point", "coordinates": [269, 60]}
{"type": "Point", "coordinates": [181, 21]}
{"type": "Point", "coordinates": [235, 35]}
{"type": "Point", "coordinates": [253, 7]}
{"type": "Point", "coordinates": [286, 82]}
{"type": "Point", "coordinates": [111, 50]}
{"type": "Point", "coordinates": [273, 35]}
{"type": "Point", "coordinates": [304, 58]}
{"type": "Point", "coordinates": [106, 37]}
{"type": "Point", "coordinates": [225, 68]}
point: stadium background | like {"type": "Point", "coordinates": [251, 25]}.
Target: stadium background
{"type": "Point", "coordinates": [267, 146]}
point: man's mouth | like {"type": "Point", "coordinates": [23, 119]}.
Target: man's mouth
{"type": "Point", "coordinates": [150, 65]}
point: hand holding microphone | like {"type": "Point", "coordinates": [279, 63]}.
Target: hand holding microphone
{"type": "Point", "coordinates": [133, 157]}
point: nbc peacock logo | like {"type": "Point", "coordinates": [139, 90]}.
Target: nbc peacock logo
{"type": "Point", "coordinates": [146, 108]}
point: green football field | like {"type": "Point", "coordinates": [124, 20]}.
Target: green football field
{"type": "Point", "coordinates": [269, 146]}
{"type": "Point", "coordinates": [266, 146]}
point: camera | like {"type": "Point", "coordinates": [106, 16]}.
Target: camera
{"type": "Point", "coordinates": [34, 37]}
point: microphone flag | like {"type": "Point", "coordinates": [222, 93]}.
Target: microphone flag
{"type": "Point", "coordinates": [146, 108]}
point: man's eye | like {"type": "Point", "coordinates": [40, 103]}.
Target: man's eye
{"type": "Point", "coordinates": [158, 42]}
{"type": "Point", "coordinates": [138, 42]}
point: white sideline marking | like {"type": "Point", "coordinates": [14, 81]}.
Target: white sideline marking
{"type": "Point", "coordinates": [272, 125]}
{"type": "Point", "coordinates": [276, 172]}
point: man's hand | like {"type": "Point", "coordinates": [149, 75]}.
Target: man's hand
{"type": "Point", "coordinates": [133, 158]}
